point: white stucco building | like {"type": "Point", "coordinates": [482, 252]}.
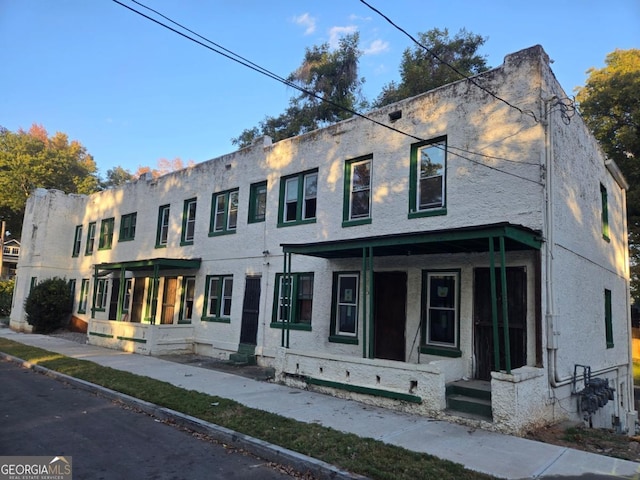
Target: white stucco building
{"type": "Point", "coordinates": [378, 263]}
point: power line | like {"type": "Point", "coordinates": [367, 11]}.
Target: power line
{"type": "Point", "coordinates": [257, 68]}
{"type": "Point", "coordinates": [434, 55]}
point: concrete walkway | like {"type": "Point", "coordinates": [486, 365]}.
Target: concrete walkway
{"type": "Point", "coordinates": [499, 455]}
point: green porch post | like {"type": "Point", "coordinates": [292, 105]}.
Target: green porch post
{"type": "Point", "coordinates": [364, 302]}
{"type": "Point", "coordinates": [505, 306]}
{"type": "Point", "coordinates": [154, 294]}
{"type": "Point", "coordinates": [371, 285]}
{"type": "Point", "coordinates": [95, 291]}
{"type": "Point", "coordinates": [494, 305]}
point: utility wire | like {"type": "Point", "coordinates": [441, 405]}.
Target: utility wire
{"type": "Point", "coordinates": [257, 68]}
{"type": "Point", "coordinates": [434, 55]}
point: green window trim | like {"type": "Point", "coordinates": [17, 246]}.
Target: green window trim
{"type": "Point", "coordinates": [257, 202]}
{"type": "Point", "coordinates": [300, 302]}
{"type": "Point", "coordinates": [608, 318]}
{"type": "Point", "coordinates": [84, 296]}
{"type": "Point", "coordinates": [188, 221]}
{"type": "Point", "coordinates": [604, 212]}
{"type": "Point", "coordinates": [344, 301]}
{"type": "Point", "coordinates": [224, 213]}
{"type": "Point", "coordinates": [162, 231]}
{"type": "Point", "coordinates": [187, 300]}
{"type": "Point", "coordinates": [437, 299]}
{"type": "Point", "coordinates": [100, 300]}
{"type": "Point", "coordinates": [298, 199]}
{"type": "Point", "coordinates": [128, 227]}
{"type": "Point", "coordinates": [105, 240]}
{"type": "Point", "coordinates": [91, 238]}
{"type": "Point", "coordinates": [218, 289]}
{"type": "Point", "coordinates": [356, 208]}
{"type": "Point", "coordinates": [77, 241]}
{"type": "Point", "coordinates": [419, 178]}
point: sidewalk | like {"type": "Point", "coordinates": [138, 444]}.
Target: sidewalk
{"type": "Point", "coordinates": [499, 455]}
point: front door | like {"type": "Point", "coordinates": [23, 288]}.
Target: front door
{"type": "Point", "coordinates": [250, 311]}
{"type": "Point", "coordinates": [483, 324]}
{"type": "Point", "coordinates": [168, 300]}
{"type": "Point", "coordinates": [113, 302]}
{"type": "Point", "coordinates": [389, 314]}
{"type": "Point", "coordinates": [137, 301]}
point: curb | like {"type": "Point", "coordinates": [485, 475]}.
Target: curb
{"type": "Point", "coordinates": [265, 450]}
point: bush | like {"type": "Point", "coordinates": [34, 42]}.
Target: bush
{"type": "Point", "coordinates": [6, 294]}
{"type": "Point", "coordinates": [48, 305]}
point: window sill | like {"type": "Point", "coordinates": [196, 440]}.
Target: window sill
{"type": "Point", "coordinates": [185, 243]}
{"type": "Point", "coordinates": [120, 240]}
{"type": "Point", "coordinates": [159, 245]}
{"type": "Point", "coordinates": [428, 213]}
{"type": "Point", "coordinates": [291, 326]}
{"type": "Point", "coordinates": [216, 319]}
{"type": "Point", "coordinates": [441, 351]}
{"type": "Point", "coordinates": [296, 222]}
{"type": "Point", "coordinates": [222, 232]}
{"type": "Point", "coordinates": [343, 339]}
{"type": "Point", "coordinates": [354, 223]}
{"type": "Point", "coordinates": [256, 220]}
{"type": "Point", "coordinates": [103, 248]}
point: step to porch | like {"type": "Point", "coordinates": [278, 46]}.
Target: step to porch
{"type": "Point", "coordinates": [244, 356]}
{"type": "Point", "coordinates": [470, 397]}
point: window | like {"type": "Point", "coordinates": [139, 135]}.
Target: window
{"type": "Point", "coordinates": [440, 313]}
{"type": "Point", "coordinates": [128, 284]}
{"type": "Point", "coordinates": [162, 233]}
{"type": "Point", "coordinates": [224, 213]}
{"type": "Point", "coordinates": [294, 300]}
{"type": "Point", "coordinates": [604, 212]}
{"type": "Point", "coordinates": [218, 293]}
{"type": "Point", "coordinates": [608, 321]}
{"type": "Point", "coordinates": [188, 221]}
{"type": "Point", "coordinates": [72, 293]}
{"type": "Point", "coordinates": [257, 202]}
{"type": "Point", "coordinates": [298, 199]}
{"type": "Point", "coordinates": [357, 192]}
{"type": "Point", "coordinates": [187, 299]}
{"type": "Point", "coordinates": [128, 227]}
{"type": "Point", "coordinates": [100, 299]}
{"type": "Point", "coordinates": [33, 283]}
{"type": "Point", "coordinates": [106, 234]}
{"type": "Point", "coordinates": [344, 308]}
{"type": "Point", "coordinates": [77, 241]}
{"type": "Point", "coordinates": [427, 178]}
{"type": "Point", "coordinates": [91, 238]}
{"type": "Point", "coordinates": [84, 293]}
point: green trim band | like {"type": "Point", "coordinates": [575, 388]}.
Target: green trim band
{"type": "Point", "coordinates": [215, 320]}
{"type": "Point", "coordinates": [343, 339]}
{"type": "Point", "coordinates": [131, 339]}
{"type": "Point", "coordinates": [377, 392]}
{"type": "Point", "coordinates": [441, 351]}
{"type": "Point", "coordinates": [291, 326]}
{"type": "Point", "coordinates": [105, 335]}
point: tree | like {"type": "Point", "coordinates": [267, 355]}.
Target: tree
{"type": "Point", "coordinates": [116, 176]}
{"type": "Point", "coordinates": [32, 159]}
{"type": "Point", "coordinates": [48, 305]}
{"type": "Point", "coordinates": [610, 105]}
{"type": "Point", "coordinates": [421, 71]}
{"type": "Point", "coordinates": [323, 74]}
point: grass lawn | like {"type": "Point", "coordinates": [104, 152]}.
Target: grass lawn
{"type": "Point", "coordinates": [365, 456]}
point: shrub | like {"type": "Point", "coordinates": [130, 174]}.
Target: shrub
{"type": "Point", "coordinates": [48, 305]}
{"type": "Point", "coordinates": [6, 294]}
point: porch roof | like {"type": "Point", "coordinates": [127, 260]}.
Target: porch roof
{"type": "Point", "coordinates": [151, 264]}
{"type": "Point", "coordinates": [456, 240]}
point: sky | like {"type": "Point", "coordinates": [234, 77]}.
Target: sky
{"type": "Point", "coordinates": [133, 92]}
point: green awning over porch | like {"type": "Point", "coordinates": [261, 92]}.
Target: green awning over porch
{"type": "Point", "coordinates": [456, 240]}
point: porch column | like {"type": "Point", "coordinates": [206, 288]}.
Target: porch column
{"type": "Point", "coordinates": [285, 298]}
{"type": "Point", "coordinates": [494, 305]}
{"type": "Point", "coordinates": [154, 294]}
{"type": "Point", "coordinates": [95, 291]}
{"type": "Point", "coordinates": [121, 294]}
{"type": "Point", "coordinates": [367, 310]}
{"type": "Point", "coordinates": [505, 306]}
{"type": "Point", "coordinates": [371, 299]}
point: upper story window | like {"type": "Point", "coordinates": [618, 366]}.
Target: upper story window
{"type": "Point", "coordinates": [224, 212]}
{"type": "Point", "coordinates": [357, 192]}
{"type": "Point", "coordinates": [77, 241]}
{"type": "Point", "coordinates": [427, 176]}
{"type": "Point", "coordinates": [162, 232]}
{"type": "Point", "coordinates": [257, 202]}
{"type": "Point", "coordinates": [188, 222]}
{"type": "Point", "coordinates": [298, 195]}
{"type": "Point", "coordinates": [128, 227]}
{"type": "Point", "coordinates": [604, 212]}
{"type": "Point", "coordinates": [91, 238]}
{"type": "Point", "coordinates": [106, 234]}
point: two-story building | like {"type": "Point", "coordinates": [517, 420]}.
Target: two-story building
{"type": "Point", "coordinates": [462, 252]}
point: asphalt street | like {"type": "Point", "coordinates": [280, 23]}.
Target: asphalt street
{"type": "Point", "coordinates": [43, 416]}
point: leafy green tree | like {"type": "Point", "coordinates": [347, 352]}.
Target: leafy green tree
{"type": "Point", "coordinates": [323, 75]}
{"type": "Point", "coordinates": [421, 71]}
{"type": "Point", "coordinates": [6, 296]}
{"type": "Point", "coordinates": [48, 305]}
{"type": "Point", "coordinates": [32, 159]}
{"type": "Point", "coordinates": [610, 105]}
{"type": "Point", "coordinates": [116, 176]}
